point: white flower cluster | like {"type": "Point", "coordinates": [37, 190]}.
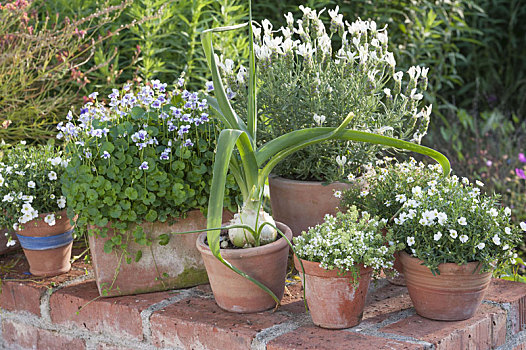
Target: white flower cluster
{"type": "Point", "coordinates": [29, 185]}
{"type": "Point", "coordinates": [343, 241]}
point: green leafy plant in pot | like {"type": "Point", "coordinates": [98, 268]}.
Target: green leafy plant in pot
{"type": "Point", "coordinates": [34, 208]}
{"type": "Point", "coordinates": [141, 168]}
{"type": "Point", "coordinates": [252, 227]}
{"type": "Point", "coordinates": [454, 237]}
{"type": "Point", "coordinates": [311, 76]}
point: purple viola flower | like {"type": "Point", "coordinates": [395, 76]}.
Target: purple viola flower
{"type": "Point", "coordinates": [142, 145]}
{"type": "Point", "coordinates": [183, 129]}
{"type": "Point", "coordinates": [180, 82]}
{"type": "Point", "coordinates": [185, 95]}
{"type": "Point", "coordinates": [230, 94]}
{"type": "Point", "coordinates": [93, 95]}
{"type": "Point", "coordinates": [189, 105]}
{"type": "Point", "coordinates": [520, 173]}
{"type": "Point", "coordinates": [127, 87]}
{"type": "Point", "coordinates": [156, 84]}
{"type": "Point", "coordinates": [163, 115]}
{"type": "Point", "coordinates": [106, 155]}
{"type": "Point", "coordinates": [84, 110]}
{"type": "Point", "coordinates": [188, 143]}
{"type": "Point", "coordinates": [194, 97]}
{"type": "Point", "coordinates": [522, 158]}
{"type": "Point", "coordinates": [171, 126]}
{"type": "Point", "coordinates": [186, 118]}
{"type": "Point", "coordinates": [87, 154]}
{"type": "Point", "coordinates": [70, 117]}
{"type": "Point", "coordinates": [204, 117]}
{"type": "Point", "coordinates": [144, 166]}
{"type": "Point", "coordinates": [156, 104]}
{"type": "Point", "coordinates": [164, 156]}
{"type": "Point", "coordinates": [176, 112]}
{"type": "Point", "coordinates": [209, 86]}
{"type": "Point", "coordinates": [96, 133]}
{"type": "Point", "coordinates": [161, 98]}
{"type": "Point", "coordinates": [114, 94]}
{"type": "Point", "coordinates": [203, 105]}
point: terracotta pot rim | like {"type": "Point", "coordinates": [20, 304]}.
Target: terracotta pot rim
{"type": "Point", "coordinates": [444, 268]}
{"type": "Point", "coordinates": [303, 182]}
{"type": "Point", "coordinates": [248, 252]}
{"type": "Point", "coordinates": [313, 268]}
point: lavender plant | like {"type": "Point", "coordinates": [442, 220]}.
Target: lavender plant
{"type": "Point", "coordinates": [30, 186]}
{"type": "Point", "coordinates": [305, 82]}
{"type": "Point", "coordinates": [145, 156]}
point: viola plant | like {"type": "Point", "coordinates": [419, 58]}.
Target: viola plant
{"type": "Point", "coordinates": [386, 185]}
{"type": "Point", "coordinates": [144, 156]}
{"type": "Point", "coordinates": [344, 241]}
{"type": "Point", "coordinates": [450, 221]}
{"type": "Point", "coordinates": [312, 76]}
{"type": "Point", "coordinates": [30, 186]}
{"type": "Point", "coordinates": [256, 160]}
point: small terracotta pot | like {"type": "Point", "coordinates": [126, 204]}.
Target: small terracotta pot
{"type": "Point", "coordinates": [267, 264]}
{"type": "Point", "coordinates": [453, 295]}
{"type": "Point", "coordinates": [302, 204]}
{"type": "Point", "coordinates": [332, 299]}
{"type": "Point", "coordinates": [43, 260]}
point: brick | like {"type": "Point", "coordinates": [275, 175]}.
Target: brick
{"type": "Point", "coordinates": [29, 337]}
{"type": "Point", "coordinates": [384, 302]}
{"type": "Point", "coordinates": [18, 296]}
{"type": "Point", "coordinates": [116, 316]}
{"type": "Point", "coordinates": [485, 330]}
{"type": "Point", "coordinates": [311, 337]}
{"type": "Point", "coordinates": [198, 323]}
{"type": "Point", "coordinates": [513, 293]}
{"type": "Point", "coordinates": [22, 292]}
{"type": "Point", "coordinates": [520, 347]}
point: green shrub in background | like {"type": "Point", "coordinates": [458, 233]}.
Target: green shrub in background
{"type": "Point", "coordinates": [165, 44]}
{"type": "Point", "coordinates": [42, 64]}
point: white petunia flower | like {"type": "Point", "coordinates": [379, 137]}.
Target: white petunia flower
{"type": "Point", "coordinates": [61, 202]}
{"type": "Point", "coordinates": [50, 219]}
{"type": "Point", "coordinates": [496, 239]}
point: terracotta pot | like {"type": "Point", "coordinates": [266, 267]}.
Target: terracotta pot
{"type": "Point", "coordinates": [175, 265]}
{"type": "Point", "coordinates": [333, 301]}
{"type": "Point", "coordinates": [302, 204]}
{"type": "Point", "coordinates": [47, 248]}
{"type": "Point", "coordinates": [396, 275]}
{"type": "Point", "coordinates": [267, 264]}
{"type": "Point", "coordinates": [453, 295]}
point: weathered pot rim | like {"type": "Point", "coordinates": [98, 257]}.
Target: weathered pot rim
{"type": "Point", "coordinates": [248, 252]}
{"type": "Point", "coordinates": [444, 268]}
{"type": "Point", "coordinates": [314, 269]}
{"type": "Point", "coordinates": [304, 183]}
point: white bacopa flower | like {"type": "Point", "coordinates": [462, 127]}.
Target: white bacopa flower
{"type": "Point", "coordinates": [493, 212]}
{"type": "Point", "coordinates": [437, 236]}
{"type": "Point", "coordinates": [61, 202]}
{"type": "Point", "coordinates": [50, 219]}
{"type": "Point", "coordinates": [463, 238]}
{"type": "Point", "coordinates": [496, 239]}
{"type": "Point", "coordinates": [410, 241]}
{"type": "Point", "coordinates": [338, 194]}
{"type": "Point", "coordinates": [401, 198]}
{"type": "Point", "coordinates": [507, 211]}
{"type": "Point", "coordinates": [507, 230]}
{"type": "Point", "coordinates": [52, 175]}
{"type": "Point", "coordinates": [462, 221]}
{"type": "Point", "coordinates": [31, 184]}
{"type": "Point", "coordinates": [481, 245]}
{"type": "Point", "coordinates": [453, 234]}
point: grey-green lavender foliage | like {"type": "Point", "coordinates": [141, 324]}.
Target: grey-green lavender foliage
{"type": "Point", "coordinates": [310, 75]}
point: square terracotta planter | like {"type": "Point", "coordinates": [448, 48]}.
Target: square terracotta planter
{"type": "Point", "coordinates": [175, 265]}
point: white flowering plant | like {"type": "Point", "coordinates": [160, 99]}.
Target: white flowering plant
{"type": "Point", "coordinates": [386, 184]}
{"type": "Point", "coordinates": [143, 154]}
{"type": "Point", "coordinates": [345, 241]}
{"type": "Point", "coordinates": [30, 186]}
{"type": "Point", "coordinates": [451, 221]}
{"type": "Point", "coordinates": [311, 76]}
